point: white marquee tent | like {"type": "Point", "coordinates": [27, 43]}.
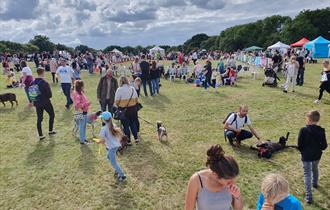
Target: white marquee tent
{"type": "Point", "coordinates": [157, 49]}
{"type": "Point", "coordinates": [116, 51]}
{"type": "Point", "coordinates": [278, 46]}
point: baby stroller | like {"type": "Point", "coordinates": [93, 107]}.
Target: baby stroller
{"type": "Point", "coordinates": [270, 78]}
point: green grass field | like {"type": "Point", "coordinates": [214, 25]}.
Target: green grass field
{"type": "Point", "coordinates": [58, 173]}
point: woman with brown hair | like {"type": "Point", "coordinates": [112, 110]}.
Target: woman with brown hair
{"type": "Point", "coordinates": [81, 105]}
{"type": "Point", "coordinates": [215, 187]}
{"type": "Point", "coordinates": [153, 78]}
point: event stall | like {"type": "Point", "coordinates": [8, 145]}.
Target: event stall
{"type": "Point", "coordinates": [318, 47]}
{"type": "Point", "coordinates": [300, 43]}
{"type": "Point", "coordinates": [156, 49]}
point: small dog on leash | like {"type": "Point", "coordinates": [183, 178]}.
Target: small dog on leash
{"type": "Point", "coordinates": [91, 120]}
{"type": "Point", "coordinates": [161, 131]}
{"type": "Point", "coordinates": [8, 97]}
{"type": "Point", "coordinates": [123, 144]}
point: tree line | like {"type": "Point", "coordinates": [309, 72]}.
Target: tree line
{"type": "Point", "coordinates": [262, 33]}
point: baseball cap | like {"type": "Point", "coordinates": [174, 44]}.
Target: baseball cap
{"type": "Point", "coordinates": [106, 116]}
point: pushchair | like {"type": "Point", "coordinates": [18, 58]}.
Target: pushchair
{"type": "Point", "coordinates": [271, 78]}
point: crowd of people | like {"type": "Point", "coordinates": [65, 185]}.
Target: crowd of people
{"type": "Point", "coordinates": [212, 188]}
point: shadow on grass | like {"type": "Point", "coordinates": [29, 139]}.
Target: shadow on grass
{"type": "Point", "coordinates": [119, 197]}
{"type": "Point", "coordinates": [7, 110]}
{"type": "Point", "coordinates": [42, 155]}
{"type": "Point", "coordinates": [25, 113]}
{"type": "Point", "coordinates": [144, 162]}
{"type": "Point", "coordinates": [157, 102]}
{"type": "Point", "coordinates": [87, 160]}
{"type": "Point", "coordinates": [305, 95]}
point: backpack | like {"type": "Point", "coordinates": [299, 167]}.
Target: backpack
{"type": "Point", "coordinates": [235, 117]}
{"type": "Point", "coordinates": [34, 92]}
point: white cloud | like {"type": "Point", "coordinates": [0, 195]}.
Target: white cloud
{"type": "Point", "coordinates": [99, 23]}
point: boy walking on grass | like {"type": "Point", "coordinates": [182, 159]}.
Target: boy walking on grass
{"type": "Point", "coordinates": [311, 142]}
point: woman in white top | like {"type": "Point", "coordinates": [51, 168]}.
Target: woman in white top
{"type": "Point", "coordinates": [110, 137]}
{"type": "Point", "coordinates": [26, 79]}
{"type": "Point", "coordinates": [292, 71]}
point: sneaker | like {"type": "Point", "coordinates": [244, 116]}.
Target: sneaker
{"type": "Point", "coordinates": [308, 201]}
{"type": "Point", "coordinates": [129, 144]}
{"type": "Point", "coordinates": [87, 141]}
{"type": "Point", "coordinates": [51, 133]}
{"type": "Point", "coordinates": [315, 186]}
{"type": "Point", "coordinates": [137, 141]}
{"type": "Point", "coordinates": [121, 178]}
{"type": "Point", "coordinates": [84, 143]}
{"type": "Point", "coordinates": [285, 91]}
{"type": "Point", "coordinates": [317, 101]}
{"type": "Point", "coordinates": [41, 138]}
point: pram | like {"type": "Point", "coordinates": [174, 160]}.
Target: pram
{"type": "Point", "coordinates": [270, 78]}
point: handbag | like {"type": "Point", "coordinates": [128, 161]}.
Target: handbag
{"type": "Point", "coordinates": [139, 106]}
{"type": "Point", "coordinates": [120, 113]}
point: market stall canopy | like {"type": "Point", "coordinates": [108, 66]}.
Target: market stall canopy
{"type": "Point", "coordinates": [319, 47]}
{"type": "Point", "coordinates": [300, 43]}
{"type": "Point", "coordinates": [253, 48]}
{"type": "Point", "coordinates": [278, 46]}
{"type": "Point", "coordinates": [116, 51]}
{"type": "Point", "coordinates": [157, 49]}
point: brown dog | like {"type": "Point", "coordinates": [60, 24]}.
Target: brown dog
{"type": "Point", "coordinates": [8, 97]}
{"type": "Point", "coordinates": [123, 145]}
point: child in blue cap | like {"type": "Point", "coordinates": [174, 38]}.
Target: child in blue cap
{"type": "Point", "coordinates": [110, 137]}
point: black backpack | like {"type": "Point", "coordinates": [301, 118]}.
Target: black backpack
{"type": "Point", "coordinates": [235, 118]}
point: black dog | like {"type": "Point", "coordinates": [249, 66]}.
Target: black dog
{"type": "Point", "coordinates": [8, 97]}
{"type": "Point", "coordinates": [267, 148]}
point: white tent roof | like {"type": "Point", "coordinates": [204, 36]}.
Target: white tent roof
{"type": "Point", "coordinates": [156, 49]}
{"type": "Point", "coordinates": [116, 51]}
{"type": "Point", "coordinates": [278, 45]}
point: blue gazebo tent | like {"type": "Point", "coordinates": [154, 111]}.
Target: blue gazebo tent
{"type": "Point", "coordinates": [318, 47]}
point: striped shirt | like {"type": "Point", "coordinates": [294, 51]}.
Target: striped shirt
{"type": "Point", "coordinates": [123, 95]}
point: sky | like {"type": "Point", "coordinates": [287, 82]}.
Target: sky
{"type": "Point", "coordinates": [100, 23]}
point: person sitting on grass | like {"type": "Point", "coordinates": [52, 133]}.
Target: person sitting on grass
{"type": "Point", "coordinates": [110, 137]}
{"type": "Point", "coordinates": [311, 142]}
{"type": "Point", "coordinates": [275, 194]}
{"type": "Point", "coordinates": [11, 81]}
{"type": "Point", "coordinates": [234, 124]}
{"type": "Point", "coordinates": [215, 187]}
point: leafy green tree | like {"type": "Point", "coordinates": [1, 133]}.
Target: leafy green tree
{"type": "Point", "coordinates": [43, 43]}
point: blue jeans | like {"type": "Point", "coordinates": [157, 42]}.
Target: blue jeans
{"type": "Point", "coordinates": [26, 89]}
{"type": "Point", "coordinates": [144, 84]}
{"type": "Point", "coordinates": [82, 128]}
{"type": "Point", "coordinates": [311, 176]}
{"type": "Point", "coordinates": [66, 87]}
{"type": "Point", "coordinates": [112, 158]}
{"type": "Point", "coordinates": [154, 86]}
{"type": "Point", "coordinates": [241, 136]}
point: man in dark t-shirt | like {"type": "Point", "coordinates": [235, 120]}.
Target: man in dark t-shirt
{"type": "Point", "coordinates": [301, 70]}
{"type": "Point", "coordinates": [145, 69]}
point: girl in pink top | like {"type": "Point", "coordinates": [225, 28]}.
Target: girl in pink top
{"type": "Point", "coordinates": [81, 104]}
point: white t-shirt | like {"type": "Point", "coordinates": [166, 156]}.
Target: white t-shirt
{"type": "Point", "coordinates": [110, 140]}
{"type": "Point", "coordinates": [239, 122]}
{"type": "Point", "coordinates": [27, 71]}
{"type": "Point", "coordinates": [66, 73]}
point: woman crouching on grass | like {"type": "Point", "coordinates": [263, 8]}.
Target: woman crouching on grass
{"type": "Point", "coordinates": [215, 188]}
{"type": "Point", "coordinates": [110, 137]}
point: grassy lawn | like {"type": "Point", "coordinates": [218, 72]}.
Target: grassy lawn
{"type": "Point", "coordinates": [58, 173]}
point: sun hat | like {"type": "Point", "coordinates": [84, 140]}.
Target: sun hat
{"type": "Point", "coordinates": [106, 116]}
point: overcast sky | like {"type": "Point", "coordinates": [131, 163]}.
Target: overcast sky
{"type": "Point", "coordinates": [100, 23]}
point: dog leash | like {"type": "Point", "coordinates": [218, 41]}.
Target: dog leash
{"type": "Point", "coordinates": [146, 121]}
